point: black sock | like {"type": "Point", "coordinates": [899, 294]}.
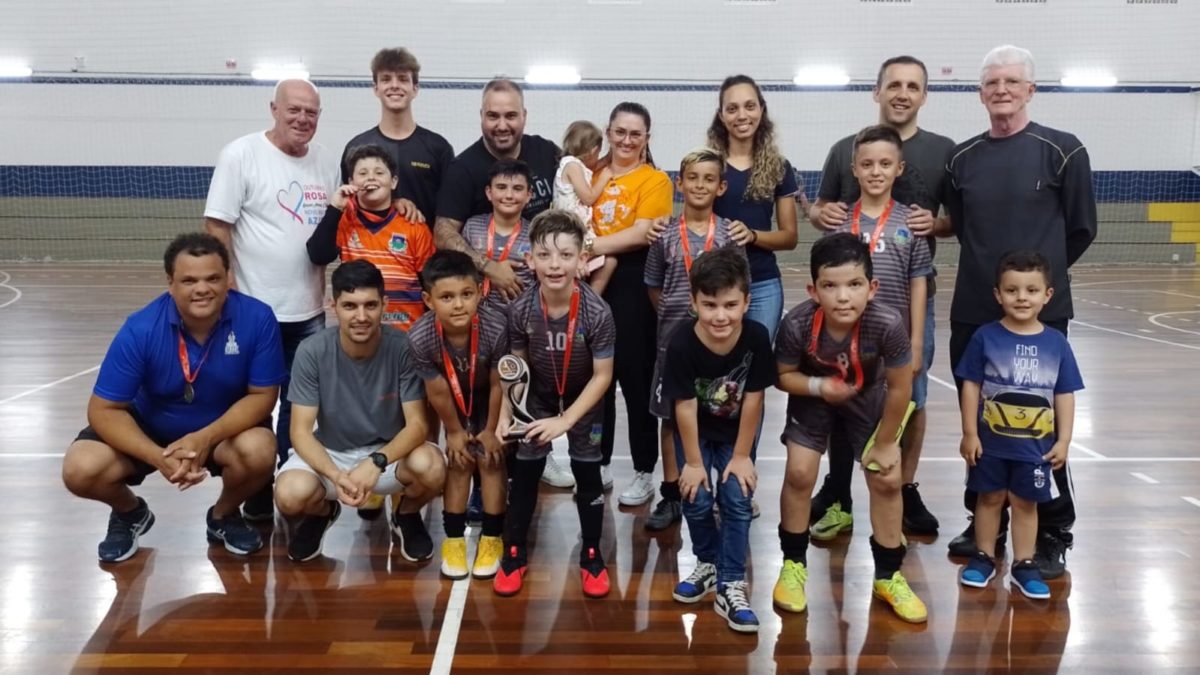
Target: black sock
{"type": "Point", "coordinates": [455, 524]}
{"type": "Point", "coordinates": [887, 560]}
{"type": "Point", "coordinates": [670, 491]}
{"type": "Point", "coordinates": [493, 524]}
{"type": "Point", "coordinates": [589, 501]}
{"type": "Point", "coordinates": [522, 499]}
{"type": "Point", "coordinates": [794, 545]}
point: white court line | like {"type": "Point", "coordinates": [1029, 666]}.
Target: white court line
{"type": "Point", "coordinates": [1182, 295]}
{"type": "Point", "coordinates": [1133, 335]}
{"type": "Point", "coordinates": [1143, 280]}
{"type": "Point", "coordinates": [443, 657]}
{"type": "Point", "coordinates": [1143, 477]}
{"type": "Point", "coordinates": [1192, 500]}
{"type": "Point", "coordinates": [1082, 448]}
{"type": "Point", "coordinates": [16, 291]}
{"type": "Point", "coordinates": [1154, 320]}
{"type": "Point", "coordinates": [38, 388]}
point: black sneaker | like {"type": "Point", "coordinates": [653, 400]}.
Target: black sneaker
{"type": "Point", "coordinates": [963, 546]}
{"type": "Point", "coordinates": [121, 542]}
{"type": "Point", "coordinates": [820, 503]}
{"type": "Point", "coordinates": [1051, 555]}
{"type": "Point", "coordinates": [415, 543]}
{"type": "Point", "coordinates": [260, 507]}
{"type": "Point", "coordinates": [917, 518]}
{"type": "Point", "coordinates": [666, 513]}
{"type": "Point", "coordinates": [310, 533]}
{"type": "Point", "coordinates": [475, 506]}
{"type": "Point", "coordinates": [233, 531]}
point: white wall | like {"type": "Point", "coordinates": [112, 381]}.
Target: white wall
{"type": "Point", "coordinates": [656, 39]}
{"type": "Point", "coordinates": [187, 125]}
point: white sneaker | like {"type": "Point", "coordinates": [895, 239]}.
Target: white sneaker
{"type": "Point", "coordinates": [640, 491]}
{"type": "Point", "coordinates": [606, 477]}
{"type": "Point", "coordinates": [555, 475]}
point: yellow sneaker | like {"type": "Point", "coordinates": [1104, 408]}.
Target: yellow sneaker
{"type": "Point", "coordinates": [454, 558]}
{"type": "Point", "coordinates": [487, 557]}
{"type": "Point", "coordinates": [789, 589]}
{"type": "Point", "coordinates": [904, 602]}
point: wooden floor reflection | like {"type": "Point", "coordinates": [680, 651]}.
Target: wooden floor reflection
{"type": "Point", "coordinates": [1130, 603]}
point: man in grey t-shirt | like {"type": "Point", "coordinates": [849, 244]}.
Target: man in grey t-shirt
{"type": "Point", "coordinates": [357, 384]}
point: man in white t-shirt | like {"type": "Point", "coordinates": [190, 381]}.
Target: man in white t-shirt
{"type": "Point", "coordinates": [269, 191]}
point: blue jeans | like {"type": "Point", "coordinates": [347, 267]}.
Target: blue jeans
{"type": "Point", "coordinates": [293, 333]}
{"type": "Point", "coordinates": [725, 546]}
{"type": "Point", "coordinates": [766, 304]}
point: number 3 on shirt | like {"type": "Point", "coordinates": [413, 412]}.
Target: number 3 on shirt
{"type": "Point", "coordinates": [556, 342]}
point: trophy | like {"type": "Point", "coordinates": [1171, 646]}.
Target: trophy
{"type": "Point", "coordinates": [514, 375]}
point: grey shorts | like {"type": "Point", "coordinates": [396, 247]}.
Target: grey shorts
{"type": "Point", "coordinates": [583, 439]}
{"type": "Point", "coordinates": [810, 420]}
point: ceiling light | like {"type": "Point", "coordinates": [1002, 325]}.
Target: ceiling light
{"type": "Point", "coordinates": [1089, 79]}
{"type": "Point", "coordinates": [821, 76]}
{"type": "Point", "coordinates": [14, 69]}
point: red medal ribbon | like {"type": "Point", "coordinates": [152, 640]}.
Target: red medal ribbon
{"type": "Point", "coordinates": [855, 362]}
{"type": "Point", "coordinates": [467, 404]}
{"type": "Point", "coordinates": [879, 224]}
{"type": "Point", "coordinates": [188, 376]}
{"type": "Point", "coordinates": [491, 242]}
{"type": "Point", "coordinates": [560, 384]}
{"type": "Point", "coordinates": [687, 248]}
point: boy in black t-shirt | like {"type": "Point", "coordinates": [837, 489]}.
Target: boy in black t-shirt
{"type": "Point", "coordinates": [844, 359]}
{"type": "Point", "coordinates": [565, 332]}
{"type": "Point", "coordinates": [717, 368]}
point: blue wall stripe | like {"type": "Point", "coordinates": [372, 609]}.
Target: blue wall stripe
{"type": "Point", "coordinates": [362, 83]}
{"type": "Point", "coordinates": [191, 182]}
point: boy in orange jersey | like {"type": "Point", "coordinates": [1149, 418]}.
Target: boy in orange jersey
{"type": "Point", "coordinates": [361, 223]}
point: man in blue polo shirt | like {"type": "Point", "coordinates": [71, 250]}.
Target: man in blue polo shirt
{"type": "Point", "coordinates": [186, 389]}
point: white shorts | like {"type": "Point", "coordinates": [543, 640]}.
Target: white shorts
{"type": "Point", "coordinates": [346, 460]}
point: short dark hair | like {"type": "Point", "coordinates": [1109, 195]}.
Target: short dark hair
{"type": "Point", "coordinates": [368, 151]}
{"type": "Point", "coordinates": [552, 222]}
{"type": "Point", "coordinates": [503, 84]}
{"type": "Point", "coordinates": [447, 264]}
{"type": "Point", "coordinates": [356, 274]}
{"type": "Point", "coordinates": [876, 134]}
{"type": "Point", "coordinates": [395, 60]}
{"type": "Point", "coordinates": [902, 60]}
{"type": "Point", "coordinates": [837, 249]}
{"type": "Point", "coordinates": [720, 269]}
{"type": "Point", "coordinates": [1023, 261]}
{"type": "Point", "coordinates": [194, 244]}
{"type": "Point", "coordinates": [509, 168]}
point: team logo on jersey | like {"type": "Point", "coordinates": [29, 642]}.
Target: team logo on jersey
{"type": "Point", "coordinates": [1039, 478]}
{"type": "Point", "coordinates": [355, 242]}
{"type": "Point", "coordinates": [903, 237]}
{"type": "Point", "coordinates": [398, 244]}
{"type": "Point", "coordinates": [231, 345]}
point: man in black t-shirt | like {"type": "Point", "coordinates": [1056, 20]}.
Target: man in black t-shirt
{"type": "Point", "coordinates": [422, 156]}
{"type": "Point", "coordinates": [900, 91]}
{"type": "Point", "coordinates": [1017, 185]}
{"type": "Point", "coordinates": [502, 119]}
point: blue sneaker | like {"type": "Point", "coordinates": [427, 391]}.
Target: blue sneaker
{"type": "Point", "coordinates": [233, 531]}
{"type": "Point", "coordinates": [1028, 579]}
{"type": "Point", "coordinates": [475, 506]}
{"type": "Point", "coordinates": [733, 606]}
{"type": "Point", "coordinates": [701, 582]}
{"type": "Point", "coordinates": [978, 571]}
{"type": "Point", "coordinates": [121, 542]}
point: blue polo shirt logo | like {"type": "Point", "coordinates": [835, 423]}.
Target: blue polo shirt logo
{"type": "Point", "coordinates": [231, 345]}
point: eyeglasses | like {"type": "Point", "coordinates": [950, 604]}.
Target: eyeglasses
{"type": "Point", "coordinates": [1009, 84]}
{"type": "Point", "coordinates": [621, 134]}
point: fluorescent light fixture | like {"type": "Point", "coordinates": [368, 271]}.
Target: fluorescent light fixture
{"type": "Point", "coordinates": [821, 76]}
{"type": "Point", "coordinates": [1089, 79]}
{"type": "Point", "coordinates": [552, 75]}
{"type": "Point", "coordinates": [276, 72]}
{"type": "Point", "coordinates": [14, 69]}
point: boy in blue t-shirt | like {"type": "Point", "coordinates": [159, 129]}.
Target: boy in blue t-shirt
{"type": "Point", "coordinates": [1019, 380]}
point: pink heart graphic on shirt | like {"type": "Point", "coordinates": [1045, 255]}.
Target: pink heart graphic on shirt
{"type": "Point", "coordinates": [293, 194]}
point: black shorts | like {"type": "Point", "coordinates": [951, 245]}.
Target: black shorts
{"type": "Point", "coordinates": [141, 469]}
{"type": "Point", "coordinates": [583, 439]}
{"type": "Point", "coordinates": [810, 420]}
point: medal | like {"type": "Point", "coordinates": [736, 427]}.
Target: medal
{"type": "Point", "coordinates": [189, 394]}
{"type": "Point", "coordinates": [189, 391]}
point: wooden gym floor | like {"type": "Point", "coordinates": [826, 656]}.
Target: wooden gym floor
{"type": "Point", "coordinates": [1129, 602]}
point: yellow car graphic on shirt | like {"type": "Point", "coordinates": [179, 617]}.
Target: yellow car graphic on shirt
{"type": "Point", "coordinates": [1019, 414]}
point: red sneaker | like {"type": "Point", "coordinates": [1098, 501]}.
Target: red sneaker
{"type": "Point", "coordinates": [594, 576]}
{"type": "Point", "coordinates": [509, 578]}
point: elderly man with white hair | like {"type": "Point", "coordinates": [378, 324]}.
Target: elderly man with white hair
{"type": "Point", "coordinates": [1018, 185]}
{"type": "Point", "coordinates": [268, 193]}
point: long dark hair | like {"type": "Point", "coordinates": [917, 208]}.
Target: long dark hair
{"type": "Point", "coordinates": [631, 108]}
{"type": "Point", "coordinates": [767, 162]}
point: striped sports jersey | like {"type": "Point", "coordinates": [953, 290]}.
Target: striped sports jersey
{"type": "Point", "coordinates": [493, 344]}
{"type": "Point", "coordinates": [475, 231]}
{"type": "Point", "coordinates": [544, 341]}
{"type": "Point", "coordinates": [399, 249]}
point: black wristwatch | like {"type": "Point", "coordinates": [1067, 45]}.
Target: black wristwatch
{"type": "Point", "coordinates": [380, 460]}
